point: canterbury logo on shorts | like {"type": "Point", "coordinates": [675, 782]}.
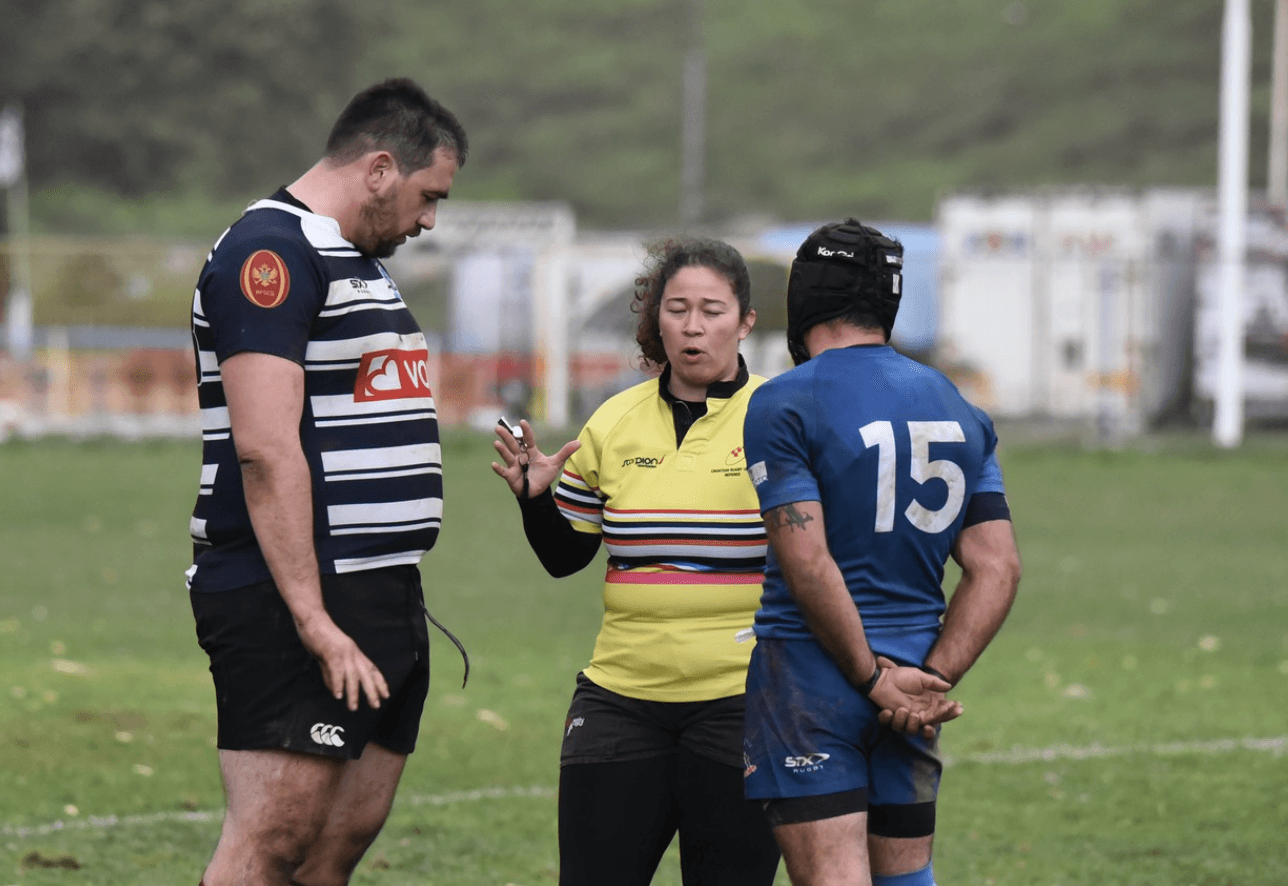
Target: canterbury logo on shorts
{"type": "Point", "coordinates": [331, 736]}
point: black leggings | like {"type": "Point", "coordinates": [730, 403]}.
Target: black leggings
{"type": "Point", "coordinates": [617, 819]}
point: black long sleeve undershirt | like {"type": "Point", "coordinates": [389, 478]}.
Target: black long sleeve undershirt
{"type": "Point", "coordinates": [561, 549]}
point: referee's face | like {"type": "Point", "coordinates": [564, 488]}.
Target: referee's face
{"type": "Point", "coordinates": [701, 326]}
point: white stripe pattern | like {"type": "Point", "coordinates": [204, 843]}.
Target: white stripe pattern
{"type": "Point", "coordinates": [197, 530]}
{"type": "Point", "coordinates": [344, 349]}
{"type": "Point", "coordinates": [209, 366]}
{"type": "Point", "coordinates": [215, 424]}
{"type": "Point", "coordinates": [402, 558]}
{"type": "Point", "coordinates": [208, 478]}
{"type": "Point", "coordinates": [387, 461]}
{"type": "Point", "coordinates": [385, 517]}
{"type": "Point", "coordinates": [680, 550]}
{"type": "Point", "coordinates": [724, 530]}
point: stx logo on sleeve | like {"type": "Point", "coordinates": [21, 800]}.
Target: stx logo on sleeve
{"type": "Point", "coordinates": [393, 375]}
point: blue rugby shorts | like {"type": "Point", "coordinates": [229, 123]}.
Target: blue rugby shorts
{"type": "Point", "coordinates": [807, 732]}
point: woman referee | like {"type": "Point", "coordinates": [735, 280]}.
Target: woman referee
{"type": "Point", "coordinates": [653, 741]}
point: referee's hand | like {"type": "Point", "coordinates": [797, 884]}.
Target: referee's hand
{"type": "Point", "coordinates": [348, 673]}
{"type": "Point", "coordinates": [525, 469]}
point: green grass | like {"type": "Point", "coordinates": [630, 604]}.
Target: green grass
{"type": "Point", "coordinates": [1153, 618]}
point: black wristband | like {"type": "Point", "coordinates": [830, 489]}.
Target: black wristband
{"type": "Point", "coordinates": [934, 673]}
{"type": "Point", "coordinates": [867, 687]}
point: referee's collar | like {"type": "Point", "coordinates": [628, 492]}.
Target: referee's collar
{"type": "Point", "coordinates": [720, 390]}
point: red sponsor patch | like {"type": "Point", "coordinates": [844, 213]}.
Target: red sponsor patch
{"type": "Point", "coordinates": [393, 375]}
{"type": "Point", "coordinates": [264, 279]}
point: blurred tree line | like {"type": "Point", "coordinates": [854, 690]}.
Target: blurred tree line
{"type": "Point", "coordinates": [138, 96]}
{"type": "Point", "coordinates": [814, 107]}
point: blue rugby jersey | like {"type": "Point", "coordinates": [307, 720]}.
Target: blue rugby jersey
{"type": "Point", "coordinates": [283, 281]}
{"type": "Point", "coordinates": [893, 453]}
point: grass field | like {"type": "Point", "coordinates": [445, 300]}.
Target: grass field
{"type": "Point", "coordinates": [1128, 725]}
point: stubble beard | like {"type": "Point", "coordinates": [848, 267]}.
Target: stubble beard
{"type": "Point", "coordinates": [379, 217]}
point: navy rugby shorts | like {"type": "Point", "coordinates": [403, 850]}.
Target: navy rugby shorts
{"type": "Point", "coordinates": [269, 690]}
{"type": "Point", "coordinates": [809, 733]}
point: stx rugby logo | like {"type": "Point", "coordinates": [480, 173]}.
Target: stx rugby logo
{"type": "Point", "coordinates": [321, 733]}
{"type": "Point", "coordinates": [643, 462]}
{"type": "Point", "coordinates": [393, 375]}
{"type": "Point", "coordinates": [806, 762]}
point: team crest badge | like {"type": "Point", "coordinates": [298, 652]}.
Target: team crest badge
{"type": "Point", "coordinates": [264, 279]}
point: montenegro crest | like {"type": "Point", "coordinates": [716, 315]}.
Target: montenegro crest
{"type": "Point", "coordinates": [264, 279]}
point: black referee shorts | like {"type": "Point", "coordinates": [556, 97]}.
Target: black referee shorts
{"type": "Point", "coordinates": [605, 727]}
{"type": "Point", "coordinates": [269, 690]}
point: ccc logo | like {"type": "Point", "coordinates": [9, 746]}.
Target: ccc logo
{"type": "Point", "coordinates": [327, 735]}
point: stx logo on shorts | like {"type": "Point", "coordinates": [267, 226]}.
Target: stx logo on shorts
{"type": "Point", "coordinates": [808, 762]}
{"type": "Point", "coordinates": [393, 375]}
{"type": "Point", "coordinates": [321, 733]}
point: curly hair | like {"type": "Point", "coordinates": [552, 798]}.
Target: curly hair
{"type": "Point", "coordinates": [665, 259]}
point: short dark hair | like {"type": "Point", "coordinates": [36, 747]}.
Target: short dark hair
{"type": "Point", "coordinates": [396, 116]}
{"type": "Point", "coordinates": [665, 259]}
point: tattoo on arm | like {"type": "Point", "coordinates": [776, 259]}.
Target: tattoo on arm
{"type": "Point", "coordinates": [788, 516]}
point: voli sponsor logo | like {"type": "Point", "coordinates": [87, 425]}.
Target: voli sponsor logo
{"type": "Point", "coordinates": [393, 375]}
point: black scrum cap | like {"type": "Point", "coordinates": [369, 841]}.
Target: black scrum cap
{"type": "Point", "coordinates": [840, 267]}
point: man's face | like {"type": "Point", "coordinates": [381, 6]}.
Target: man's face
{"type": "Point", "coordinates": [403, 206]}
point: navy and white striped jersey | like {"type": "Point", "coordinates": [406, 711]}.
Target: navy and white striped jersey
{"type": "Point", "coordinates": [283, 281]}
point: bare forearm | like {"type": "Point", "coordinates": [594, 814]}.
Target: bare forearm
{"type": "Point", "coordinates": [979, 605]}
{"type": "Point", "coordinates": [279, 497]}
{"type": "Point", "coordinates": [835, 621]}
{"type": "Point", "coordinates": [796, 533]}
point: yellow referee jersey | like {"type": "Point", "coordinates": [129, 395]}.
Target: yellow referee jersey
{"type": "Point", "coordinates": [685, 541]}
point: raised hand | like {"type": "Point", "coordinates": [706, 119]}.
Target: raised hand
{"type": "Point", "coordinates": [526, 470]}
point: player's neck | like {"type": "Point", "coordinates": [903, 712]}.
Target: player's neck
{"type": "Point", "coordinates": [826, 336]}
{"type": "Point", "coordinates": [335, 192]}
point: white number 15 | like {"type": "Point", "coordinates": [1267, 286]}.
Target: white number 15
{"type": "Point", "coordinates": [922, 433]}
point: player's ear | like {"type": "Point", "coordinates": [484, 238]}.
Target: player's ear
{"type": "Point", "coordinates": [747, 322]}
{"type": "Point", "coordinates": [379, 169]}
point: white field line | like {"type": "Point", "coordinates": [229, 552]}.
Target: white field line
{"type": "Point", "coordinates": [1016, 756]}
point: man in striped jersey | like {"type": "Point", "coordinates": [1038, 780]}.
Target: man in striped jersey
{"type": "Point", "coordinates": [321, 489]}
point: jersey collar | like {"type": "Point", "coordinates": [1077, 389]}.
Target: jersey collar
{"type": "Point", "coordinates": [720, 390]}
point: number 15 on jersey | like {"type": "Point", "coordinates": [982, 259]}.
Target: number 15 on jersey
{"type": "Point", "coordinates": [921, 434]}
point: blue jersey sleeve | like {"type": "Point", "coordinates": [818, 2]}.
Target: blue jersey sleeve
{"type": "Point", "coordinates": [262, 293]}
{"type": "Point", "coordinates": [990, 474]}
{"type": "Point", "coordinates": [775, 435]}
